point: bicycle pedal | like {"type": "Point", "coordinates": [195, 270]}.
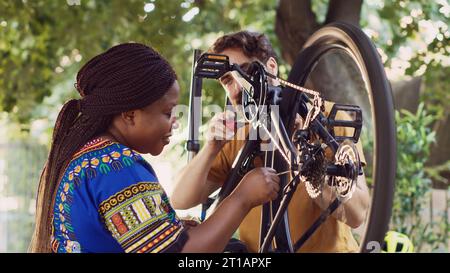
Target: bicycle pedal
{"type": "Point", "coordinates": [354, 112]}
{"type": "Point", "coordinates": [212, 66]}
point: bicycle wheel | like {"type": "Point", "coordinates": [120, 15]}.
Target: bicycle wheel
{"type": "Point", "coordinates": [341, 62]}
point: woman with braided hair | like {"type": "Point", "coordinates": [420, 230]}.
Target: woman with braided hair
{"type": "Point", "coordinates": [97, 193]}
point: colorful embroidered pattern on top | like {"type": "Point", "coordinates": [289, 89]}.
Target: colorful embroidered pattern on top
{"type": "Point", "coordinates": [75, 171]}
{"type": "Point", "coordinates": [141, 219]}
{"type": "Point", "coordinates": [102, 205]}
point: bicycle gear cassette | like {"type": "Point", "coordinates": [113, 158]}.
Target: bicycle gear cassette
{"type": "Point", "coordinates": [348, 157]}
{"type": "Point", "coordinates": [313, 189]}
{"type": "Point", "coordinates": [314, 174]}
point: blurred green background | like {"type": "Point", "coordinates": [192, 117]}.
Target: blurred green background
{"type": "Point", "coordinates": [44, 43]}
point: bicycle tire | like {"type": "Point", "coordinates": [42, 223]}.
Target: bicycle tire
{"type": "Point", "coordinates": [352, 38]}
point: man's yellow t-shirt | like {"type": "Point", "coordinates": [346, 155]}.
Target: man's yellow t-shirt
{"type": "Point", "coordinates": [331, 236]}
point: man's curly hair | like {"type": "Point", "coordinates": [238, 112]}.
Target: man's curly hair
{"type": "Point", "coordinates": [253, 45]}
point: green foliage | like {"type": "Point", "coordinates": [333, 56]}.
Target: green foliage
{"type": "Point", "coordinates": [413, 185]}
{"type": "Point", "coordinates": [36, 36]}
{"type": "Point", "coordinates": [41, 41]}
{"type": "Point", "coordinates": [406, 18]}
{"type": "Point", "coordinates": [413, 142]}
{"type": "Point", "coordinates": [436, 93]}
{"type": "Point", "coordinates": [413, 37]}
{"type": "Point", "coordinates": [435, 172]}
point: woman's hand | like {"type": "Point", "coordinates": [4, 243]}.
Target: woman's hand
{"type": "Point", "coordinates": [257, 187]}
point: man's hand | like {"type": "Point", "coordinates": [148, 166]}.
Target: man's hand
{"type": "Point", "coordinates": [221, 129]}
{"type": "Point", "coordinates": [192, 186]}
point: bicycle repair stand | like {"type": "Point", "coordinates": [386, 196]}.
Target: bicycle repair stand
{"type": "Point", "coordinates": [194, 121]}
{"type": "Point", "coordinates": [195, 107]}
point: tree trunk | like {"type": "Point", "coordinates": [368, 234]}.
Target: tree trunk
{"type": "Point", "coordinates": [296, 21]}
{"type": "Point", "coordinates": [407, 93]}
{"type": "Point", "coordinates": [344, 11]}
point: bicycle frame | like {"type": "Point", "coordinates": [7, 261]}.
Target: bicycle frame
{"type": "Point", "coordinates": [214, 66]}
